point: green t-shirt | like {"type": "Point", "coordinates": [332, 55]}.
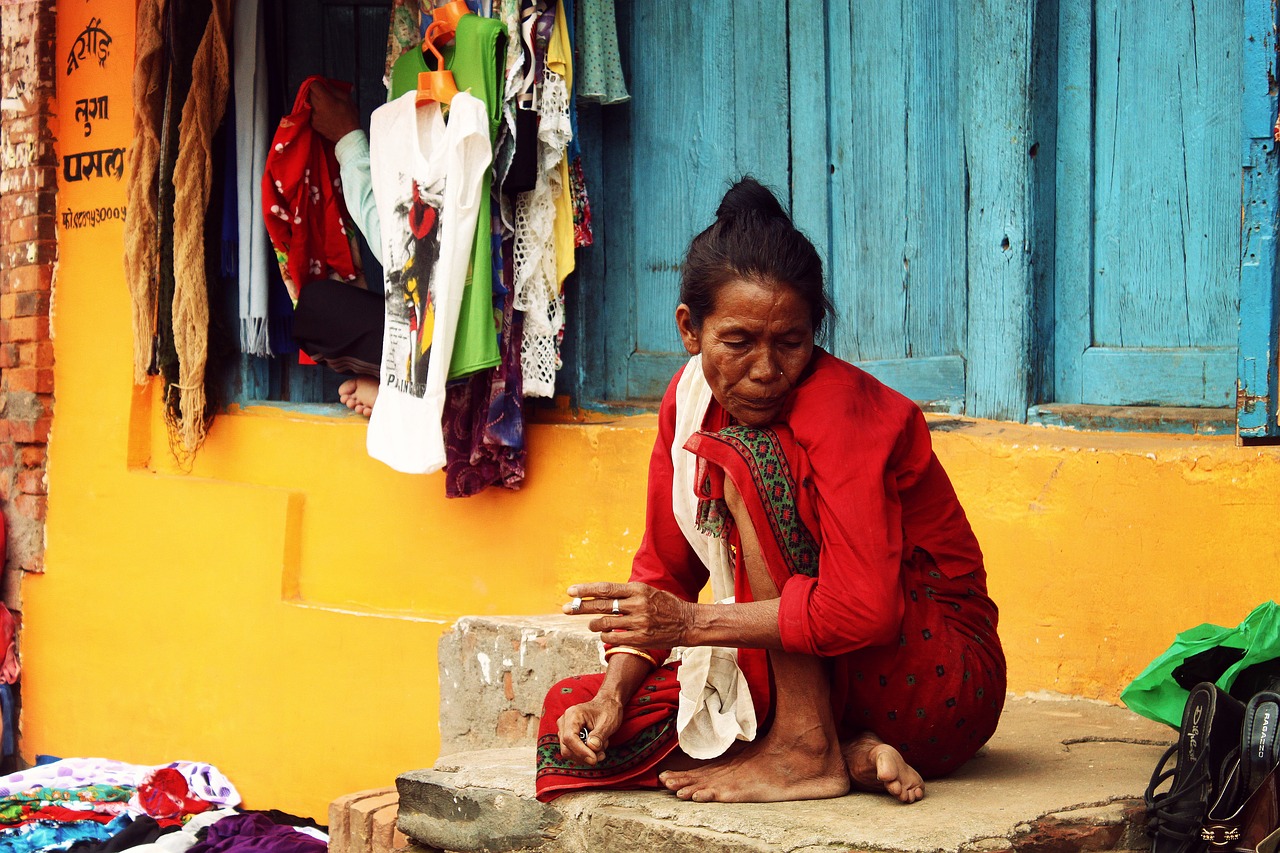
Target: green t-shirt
{"type": "Point", "coordinates": [477, 59]}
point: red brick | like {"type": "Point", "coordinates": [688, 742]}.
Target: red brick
{"type": "Point", "coordinates": [31, 506]}
{"type": "Point", "coordinates": [341, 828]}
{"type": "Point", "coordinates": [44, 354]}
{"type": "Point", "coordinates": [37, 380]}
{"type": "Point", "coordinates": [7, 454]}
{"type": "Point", "coordinates": [383, 829]}
{"type": "Point", "coordinates": [8, 306]}
{"type": "Point", "coordinates": [8, 486]}
{"type": "Point", "coordinates": [363, 813]}
{"type": "Point", "coordinates": [31, 252]}
{"type": "Point", "coordinates": [17, 205]}
{"type": "Point", "coordinates": [31, 455]}
{"type": "Point", "coordinates": [20, 379]}
{"type": "Point", "coordinates": [29, 432]}
{"type": "Point", "coordinates": [29, 277]}
{"type": "Point", "coordinates": [32, 303]}
{"type": "Point", "coordinates": [24, 329]}
{"type": "Point", "coordinates": [31, 482]}
{"type": "Point", "coordinates": [9, 356]}
{"type": "Point", "coordinates": [29, 178]}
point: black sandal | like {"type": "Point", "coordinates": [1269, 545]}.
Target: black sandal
{"type": "Point", "coordinates": [1210, 733]}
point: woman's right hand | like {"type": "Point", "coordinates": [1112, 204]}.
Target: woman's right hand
{"type": "Point", "coordinates": [601, 716]}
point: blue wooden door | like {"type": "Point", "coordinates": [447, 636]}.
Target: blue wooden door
{"type": "Point", "coordinates": [1149, 199]}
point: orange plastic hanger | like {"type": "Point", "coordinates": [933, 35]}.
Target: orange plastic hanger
{"type": "Point", "coordinates": [448, 15]}
{"type": "Point", "coordinates": [435, 85]}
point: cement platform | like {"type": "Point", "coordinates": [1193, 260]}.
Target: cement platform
{"type": "Point", "coordinates": [1060, 775]}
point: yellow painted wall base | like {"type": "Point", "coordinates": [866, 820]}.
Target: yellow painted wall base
{"type": "Point", "coordinates": [276, 610]}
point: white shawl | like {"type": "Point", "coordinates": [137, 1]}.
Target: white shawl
{"type": "Point", "coordinates": [715, 702]}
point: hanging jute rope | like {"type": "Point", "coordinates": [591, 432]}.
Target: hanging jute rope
{"type": "Point", "coordinates": [141, 250]}
{"type": "Point", "coordinates": [201, 114]}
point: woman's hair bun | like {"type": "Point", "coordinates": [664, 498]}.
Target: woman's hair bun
{"type": "Point", "coordinates": [749, 197]}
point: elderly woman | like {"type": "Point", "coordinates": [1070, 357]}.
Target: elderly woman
{"type": "Point", "coordinates": [851, 641]}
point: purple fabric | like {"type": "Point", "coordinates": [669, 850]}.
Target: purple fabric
{"type": "Point", "coordinates": [484, 414]}
{"type": "Point", "coordinates": [254, 833]}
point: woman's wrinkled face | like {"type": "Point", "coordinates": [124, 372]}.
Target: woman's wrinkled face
{"type": "Point", "coordinates": [755, 344]}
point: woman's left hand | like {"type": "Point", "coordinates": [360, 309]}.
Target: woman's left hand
{"type": "Point", "coordinates": [635, 614]}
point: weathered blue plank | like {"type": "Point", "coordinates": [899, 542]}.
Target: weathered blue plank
{"type": "Point", "coordinates": [683, 132]}
{"type": "Point", "coordinates": [585, 300]}
{"type": "Point", "coordinates": [1256, 368]}
{"type": "Point", "coordinates": [810, 159]}
{"type": "Point", "coordinates": [933, 254]}
{"type": "Point", "coordinates": [1043, 152]}
{"type": "Point", "coordinates": [1185, 420]}
{"type": "Point", "coordinates": [1167, 180]}
{"type": "Point", "coordinates": [937, 382]}
{"type": "Point", "coordinates": [1168, 376]}
{"type": "Point", "coordinates": [870, 193]}
{"type": "Point", "coordinates": [761, 130]}
{"type": "Point", "coordinates": [995, 92]}
{"type": "Point", "coordinates": [618, 316]}
{"type": "Point", "coordinates": [649, 373]}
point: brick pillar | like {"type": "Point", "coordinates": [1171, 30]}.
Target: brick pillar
{"type": "Point", "coordinates": [28, 250]}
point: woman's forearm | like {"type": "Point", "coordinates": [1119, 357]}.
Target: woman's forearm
{"type": "Point", "coordinates": [748, 625]}
{"type": "Point", "coordinates": [623, 677]}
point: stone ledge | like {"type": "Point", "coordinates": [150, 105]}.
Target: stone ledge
{"type": "Point", "coordinates": [496, 670]}
{"type": "Point", "coordinates": [1060, 775]}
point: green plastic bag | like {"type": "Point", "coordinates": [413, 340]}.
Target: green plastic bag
{"type": "Point", "coordinates": [1156, 695]}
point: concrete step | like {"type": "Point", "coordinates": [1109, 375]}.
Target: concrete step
{"type": "Point", "coordinates": [496, 670]}
{"type": "Point", "coordinates": [1060, 775]}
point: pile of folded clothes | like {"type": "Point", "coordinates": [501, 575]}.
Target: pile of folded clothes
{"type": "Point", "coordinates": [93, 805]}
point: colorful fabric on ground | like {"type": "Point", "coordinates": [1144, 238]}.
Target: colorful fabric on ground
{"type": "Point", "coordinates": [204, 780]}
{"type": "Point", "coordinates": [94, 802]}
{"type": "Point", "coordinates": [302, 200]}
{"type": "Point", "coordinates": [137, 836]}
{"type": "Point", "coordinates": [53, 835]}
{"type": "Point", "coordinates": [255, 833]}
{"type": "Point", "coordinates": [165, 795]}
{"type": "Point", "coordinates": [647, 736]}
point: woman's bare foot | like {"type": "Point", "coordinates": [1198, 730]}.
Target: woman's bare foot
{"type": "Point", "coordinates": [359, 394]}
{"type": "Point", "coordinates": [876, 766]}
{"type": "Point", "coordinates": [773, 769]}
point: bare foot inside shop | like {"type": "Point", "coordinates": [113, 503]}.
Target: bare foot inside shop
{"type": "Point", "coordinates": [359, 394]}
{"type": "Point", "coordinates": [876, 766]}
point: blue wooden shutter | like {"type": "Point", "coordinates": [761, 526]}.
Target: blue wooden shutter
{"type": "Point", "coordinates": [1148, 202]}
{"type": "Point", "coordinates": [879, 184]}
